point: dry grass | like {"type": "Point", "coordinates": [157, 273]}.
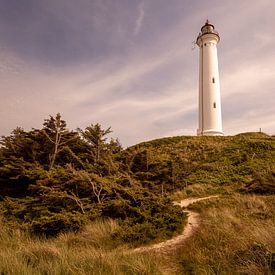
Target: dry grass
{"type": "Point", "coordinates": [236, 237]}
{"type": "Point", "coordinates": [90, 252]}
{"type": "Point", "coordinates": [203, 190]}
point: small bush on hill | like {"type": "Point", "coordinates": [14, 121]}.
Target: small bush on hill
{"type": "Point", "coordinates": [261, 183]}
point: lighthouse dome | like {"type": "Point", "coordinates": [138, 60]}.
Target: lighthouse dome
{"type": "Point", "coordinates": [207, 28]}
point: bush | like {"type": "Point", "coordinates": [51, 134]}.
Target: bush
{"type": "Point", "coordinates": [155, 219]}
{"type": "Point", "coordinates": [55, 223]}
{"type": "Point", "coordinates": [261, 184]}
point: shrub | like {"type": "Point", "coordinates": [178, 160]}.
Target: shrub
{"type": "Point", "coordinates": [155, 219]}
{"type": "Point", "coordinates": [261, 183]}
{"type": "Point", "coordinates": [55, 223]}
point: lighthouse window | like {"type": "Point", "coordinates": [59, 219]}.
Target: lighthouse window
{"type": "Point", "coordinates": [213, 79]}
{"type": "Point", "coordinates": [214, 104]}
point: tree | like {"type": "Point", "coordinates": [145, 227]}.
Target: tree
{"type": "Point", "coordinates": [114, 146]}
{"type": "Point", "coordinates": [56, 132]}
{"type": "Point", "coordinates": [18, 144]}
{"type": "Point", "coordinates": [95, 136]}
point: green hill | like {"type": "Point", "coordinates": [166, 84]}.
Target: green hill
{"type": "Point", "coordinates": [245, 160]}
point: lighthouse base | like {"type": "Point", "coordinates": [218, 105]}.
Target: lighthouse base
{"type": "Point", "coordinates": [210, 132]}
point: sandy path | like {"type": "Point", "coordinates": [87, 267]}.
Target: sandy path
{"type": "Point", "coordinates": [189, 229]}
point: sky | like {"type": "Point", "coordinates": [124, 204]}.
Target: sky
{"type": "Point", "coordinates": [132, 65]}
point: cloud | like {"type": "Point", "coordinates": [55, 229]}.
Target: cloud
{"type": "Point", "coordinates": [88, 94]}
{"type": "Point", "coordinates": [140, 18]}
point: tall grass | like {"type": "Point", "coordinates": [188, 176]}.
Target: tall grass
{"type": "Point", "coordinates": [90, 252]}
{"type": "Point", "coordinates": [236, 237]}
{"type": "Point", "coordinates": [203, 190]}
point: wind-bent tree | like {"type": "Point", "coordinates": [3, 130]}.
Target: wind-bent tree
{"type": "Point", "coordinates": [19, 144]}
{"type": "Point", "coordinates": [56, 132]}
{"type": "Point", "coordinates": [95, 136]}
{"type": "Point", "coordinates": [19, 147]}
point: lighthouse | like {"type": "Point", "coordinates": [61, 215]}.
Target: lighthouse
{"type": "Point", "coordinates": [210, 116]}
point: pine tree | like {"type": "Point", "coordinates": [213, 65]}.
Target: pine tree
{"type": "Point", "coordinates": [56, 132]}
{"type": "Point", "coordinates": [95, 136]}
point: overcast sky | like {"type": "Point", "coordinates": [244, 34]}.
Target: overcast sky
{"type": "Point", "coordinates": [129, 64]}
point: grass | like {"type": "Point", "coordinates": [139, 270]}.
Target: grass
{"type": "Point", "coordinates": [236, 237]}
{"type": "Point", "coordinates": [202, 190]}
{"type": "Point", "coordinates": [172, 164]}
{"type": "Point", "coordinates": [91, 251]}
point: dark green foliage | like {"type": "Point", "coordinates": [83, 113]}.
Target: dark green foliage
{"type": "Point", "coordinates": [54, 223]}
{"type": "Point", "coordinates": [43, 216]}
{"type": "Point", "coordinates": [95, 136]}
{"type": "Point", "coordinates": [153, 219]}
{"type": "Point", "coordinates": [54, 180]}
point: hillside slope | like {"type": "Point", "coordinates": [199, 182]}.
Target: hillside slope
{"type": "Point", "coordinates": [245, 160]}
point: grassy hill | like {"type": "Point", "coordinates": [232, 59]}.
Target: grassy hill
{"type": "Point", "coordinates": [242, 161]}
{"type": "Point", "coordinates": [83, 209]}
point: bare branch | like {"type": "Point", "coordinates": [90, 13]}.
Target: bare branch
{"type": "Point", "coordinates": [63, 194]}
{"type": "Point", "coordinates": [49, 138]}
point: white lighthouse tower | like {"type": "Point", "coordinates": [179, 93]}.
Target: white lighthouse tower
{"type": "Point", "coordinates": [210, 117]}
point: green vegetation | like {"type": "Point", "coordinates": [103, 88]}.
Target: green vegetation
{"type": "Point", "coordinates": [76, 202]}
{"type": "Point", "coordinates": [53, 180]}
{"type": "Point", "coordinates": [245, 161]}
